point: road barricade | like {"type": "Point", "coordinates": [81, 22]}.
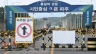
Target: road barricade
{"type": "Point", "coordinates": [7, 40]}
{"type": "Point", "coordinates": [82, 38]}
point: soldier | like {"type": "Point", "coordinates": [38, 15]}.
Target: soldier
{"type": "Point", "coordinates": [83, 31]}
{"type": "Point", "coordinates": [43, 31]}
{"type": "Point", "coordinates": [2, 33]}
{"type": "Point", "coordinates": [76, 30]}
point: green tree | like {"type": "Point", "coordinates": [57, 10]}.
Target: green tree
{"type": "Point", "coordinates": [1, 13]}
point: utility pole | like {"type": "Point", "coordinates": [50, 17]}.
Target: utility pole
{"type": "Point", "coordinates": [91, 1]}
{"type": "Point", "coordinates": [7, 2]}
{"type": "Point", "coordinates": [4, 16]}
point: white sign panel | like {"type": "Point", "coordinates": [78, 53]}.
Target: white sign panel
{"type": "Point", "coordinates": [64, 37]}
{"type": "Point", "coordinates": [24, 30]}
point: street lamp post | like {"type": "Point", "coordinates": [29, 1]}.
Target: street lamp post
{"type": "Point", "coordinates": [7, 2]}
{"type": "Point", "coordinates": [5, 14]}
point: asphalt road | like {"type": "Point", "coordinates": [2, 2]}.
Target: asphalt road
{"type": "Point", "coordinates": [2, 51]}
{"type": "Point", "coordinates": [72, 52]}
{"type": "Point", "coordinates": [29, 52]}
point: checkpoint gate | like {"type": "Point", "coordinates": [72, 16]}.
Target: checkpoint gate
{"type": "Point", "coordinates": [84, 41]}
{"type": "Point", "coordinates": [48, 6]}
{"type": "Point", "coordinates": [51, 6]}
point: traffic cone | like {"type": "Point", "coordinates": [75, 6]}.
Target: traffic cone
{"type": "Point", "coordinates": [4, 44]}
{"type": "Point", "coordinates": [13, 42]}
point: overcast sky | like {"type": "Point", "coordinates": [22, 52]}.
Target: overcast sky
{"type": "Point", "coordinates": [26, 2]}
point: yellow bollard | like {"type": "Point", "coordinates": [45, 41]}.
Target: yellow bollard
{"type": "Point", "coordinates": [25, 45]}
{"type": "Point", "coordinates": [93, 36]}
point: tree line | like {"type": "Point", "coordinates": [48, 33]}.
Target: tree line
{"type": "Point", "coordinates": [19, 14]}
{"type": "Point", "coordinates": [1, 13]}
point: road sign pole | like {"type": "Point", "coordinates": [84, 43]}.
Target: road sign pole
{"type": "Point", "coordinates": [33, 35]}
{"type": "Point", "coordinates": [34, 42]}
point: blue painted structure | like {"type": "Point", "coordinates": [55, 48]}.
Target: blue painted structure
{"type": "Point", "coordinates": [48, 6]}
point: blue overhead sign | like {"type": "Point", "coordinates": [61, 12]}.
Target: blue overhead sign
{"type": "Point", "coordinates": [49, 6]}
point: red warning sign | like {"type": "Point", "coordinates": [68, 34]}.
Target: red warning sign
{"type": "Point", "coordinates": [26, 30]}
